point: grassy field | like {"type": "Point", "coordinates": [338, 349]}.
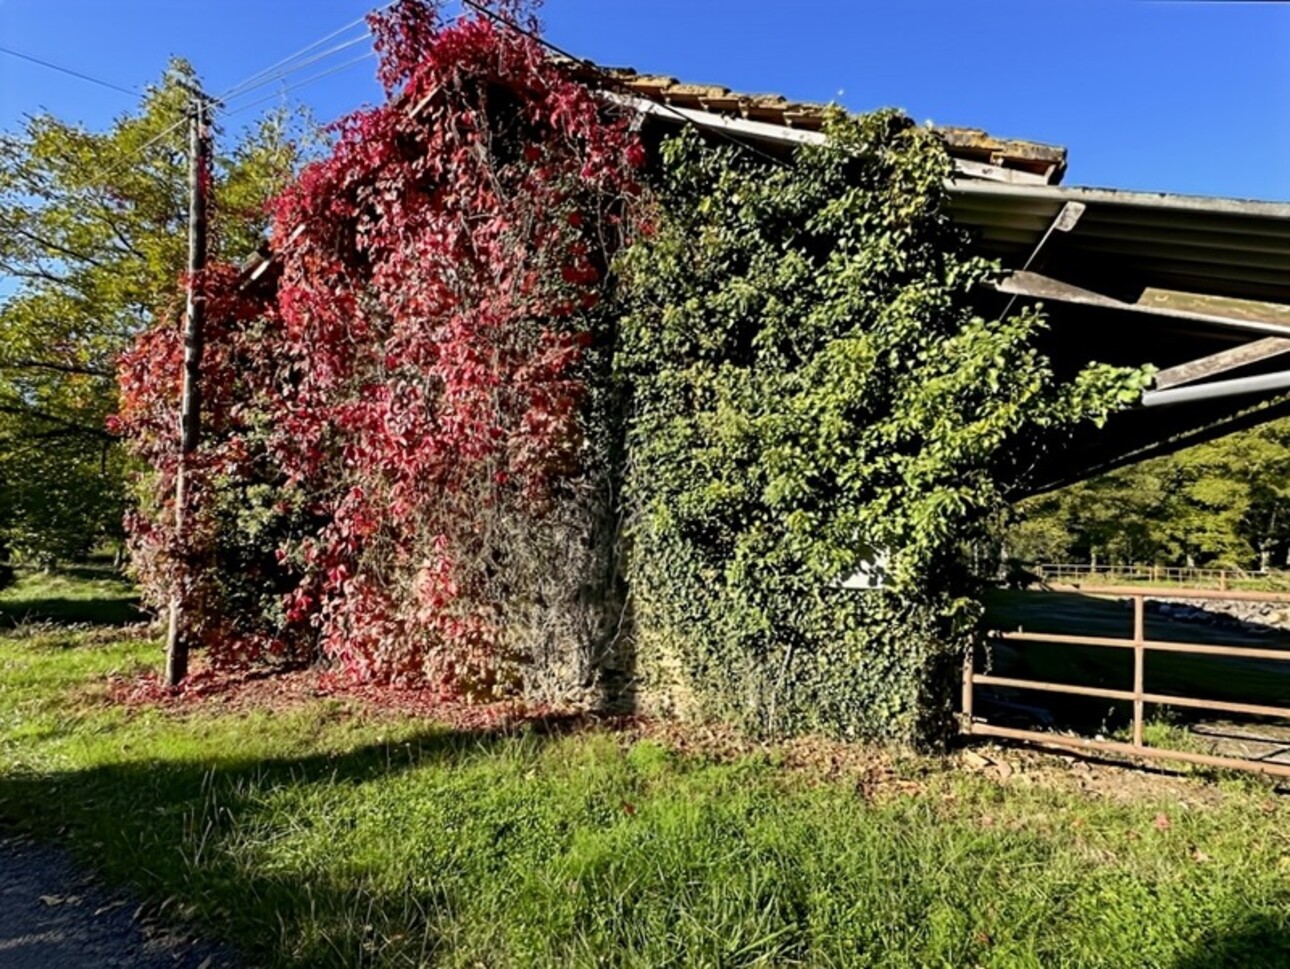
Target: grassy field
{"type": "Point", "coordinates": [94, 595]}
{"type": "Point", "coordinates": [320, 833]}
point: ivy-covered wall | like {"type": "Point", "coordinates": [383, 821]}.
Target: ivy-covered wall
{"type": "Point", "coordinates": [531, 411]}
{"type": "Point", "coordinates": [807, 379]}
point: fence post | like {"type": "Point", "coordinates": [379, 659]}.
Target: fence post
{"type": "Point", "coordinates": [1139, 656]}
{"type": "Point", "coordinates": [1222, 580]}
{"type": "Point", "coordinates": [969, 661]}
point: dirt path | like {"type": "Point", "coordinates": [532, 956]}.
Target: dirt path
{"type": "Point", "coordinates": [54, 916]}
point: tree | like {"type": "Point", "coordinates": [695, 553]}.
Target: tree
{"type": "Point", "coordinates": [92, 246]}
{"type": "Point", "coordinates": [1224, 503]}
{"type": "Point", "coordinates": [1233, 498]}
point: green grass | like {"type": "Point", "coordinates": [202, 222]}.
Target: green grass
{"type": "Point", "coordinates": [91, 594]}
{"type": "Point", "coordinates": [329, 836]}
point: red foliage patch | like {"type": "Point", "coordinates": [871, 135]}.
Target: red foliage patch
{"type": "Point", "coordinates": [227, 691]}
{"type": "Point", "coordinates": [417, 376]}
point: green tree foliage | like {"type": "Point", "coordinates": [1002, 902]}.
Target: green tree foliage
{"type": "Point", "coordinates": [1225, 503]}
{"type": "Point", "coordinates": [92, 245]}
{"type": "Point", "coordinates": [807, 380]}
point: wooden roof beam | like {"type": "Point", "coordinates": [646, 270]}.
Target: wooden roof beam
{"type": "Point", "coordinates": [1037, 286]}
{"type": "Point", "coordinates": [766, 131]}
{"type": "Point", "coordinates": [1222, 362]}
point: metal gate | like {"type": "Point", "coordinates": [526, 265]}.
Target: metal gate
{"type": "Point", "coordinates": [1137, 695]}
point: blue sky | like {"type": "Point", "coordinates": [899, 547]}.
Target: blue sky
{"type": "Point", "coordinates": [1183, 97]}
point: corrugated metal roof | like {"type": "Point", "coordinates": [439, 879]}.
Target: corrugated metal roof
{"type": "Point", "coordinates": [1216, 246]}
{"type": "Point", "coordinates": [1146, 277]}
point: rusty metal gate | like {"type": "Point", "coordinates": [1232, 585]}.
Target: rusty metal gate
{"type": "Point", "coordinates": [1137, 695]}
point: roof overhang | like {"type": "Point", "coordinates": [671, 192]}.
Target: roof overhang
{"type": "Point", "coordinates": [1233, 248]}
{"type": "Point", "coordinates": [766, 132]}
{"type": "Point", "coordinates": [774, 119]}
{"type": "Point", "coordinates": [1197, 287]}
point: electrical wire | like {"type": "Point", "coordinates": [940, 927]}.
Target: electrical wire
{"type": "Point", "coordinates": [286, 72]}
{"type": "Point", "coordinates": [300, 84]}
{"type": "Point", "coordinates": [238, 87]}
{"type": "Point", "coordinates": [69, 71]}
{"type": "Point", "coordinates": [120, 166]}
{"type": "Point", "coordinates": [266, 76]}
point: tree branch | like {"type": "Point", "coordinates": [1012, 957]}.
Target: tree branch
{"type": "Point", "coordinates": [126, 244]}
{"type": "Point", "coordinates": [36, 274]}
{"type": "Point", "coordinates": [98, 433]}
{"type": "Point", "coordinates": [55, 366]}
{"type": "Point", "coordinates": [51, 244]}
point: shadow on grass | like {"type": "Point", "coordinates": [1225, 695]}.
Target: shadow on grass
{"type": "Point", "coordinates": [107, 611]}
{"type": "Point", "coordinates": [1254, 942]}
{"type": "Point", "coordinates": [173, 830]}
{"type": "Point", "coordinates": [220, 841]}
{"type": "Point", "coordinates": [71, 595]}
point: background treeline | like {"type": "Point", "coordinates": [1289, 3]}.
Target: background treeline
{"type": "Point", "coordinates": [92, 249]}
{"type": "Point", "coordinates": [1223, 504]}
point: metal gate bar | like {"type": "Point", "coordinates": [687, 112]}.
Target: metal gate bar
{"type": "Point", "coordinates": [1138, 695]}
{"type": "Point", "coordinates": [1153, 574]}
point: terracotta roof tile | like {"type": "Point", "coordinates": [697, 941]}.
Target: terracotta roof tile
{"type": "Point", "coordinates": [967, 143]}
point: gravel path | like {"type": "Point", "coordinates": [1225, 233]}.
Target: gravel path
{"type": "Point", "coordinates": [54, 916]}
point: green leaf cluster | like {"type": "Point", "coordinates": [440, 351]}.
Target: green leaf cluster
{"type": "Point", "coordinates": [808, 379]}
{"type": "Point", "coordinates": [93, 244]}
{"type": "Point", "coordinates": [1224, 504]}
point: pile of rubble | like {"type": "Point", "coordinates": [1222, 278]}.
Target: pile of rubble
{"type": "Point", "coordinates": [1258, 618]}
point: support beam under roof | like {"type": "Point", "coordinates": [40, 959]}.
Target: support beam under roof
{"type": "Point", "coordinates": [1219, 390]}
{"type": "Point", "coordinates": [1037, 286]}
{"type": "Point", "coordinates": [1222, 362]}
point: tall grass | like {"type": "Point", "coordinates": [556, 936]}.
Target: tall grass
{"type": "Point", "coordinates": [327, 836]}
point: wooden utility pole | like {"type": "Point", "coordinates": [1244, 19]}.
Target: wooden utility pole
{"type": "Point", "coordinates": [177, 638]}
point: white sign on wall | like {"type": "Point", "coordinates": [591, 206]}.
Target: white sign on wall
{"type": "Point", "coordinates": [872, 573]}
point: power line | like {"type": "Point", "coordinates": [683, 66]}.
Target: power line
{"type": "Point", "coordinates": [137, 152]}
{"type": "Point", "coordinates": [142, 148]}
{"type": "Point", "coordinates": [267, 75]}
{"type": "Point", "coordinates": [245, 107]}
{"type": "Point", "coordinates": [238, 87]}
{"type": "Point", "coordinates": [69, 72]}
{"type": "Point", "coordinates": [248, 88]}
{"type": "Point", "coordinates": [299, 84]}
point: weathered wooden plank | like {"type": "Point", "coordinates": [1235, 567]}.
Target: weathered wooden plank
{"type": "Point", "coordinates": [1222, 362]}
{"type": "Point", "coordinates": [1237, 309]}
{"type": "Point", "coordinates": [768, 131]}
{"type": "Point", "coordinates": [1038, 286]}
